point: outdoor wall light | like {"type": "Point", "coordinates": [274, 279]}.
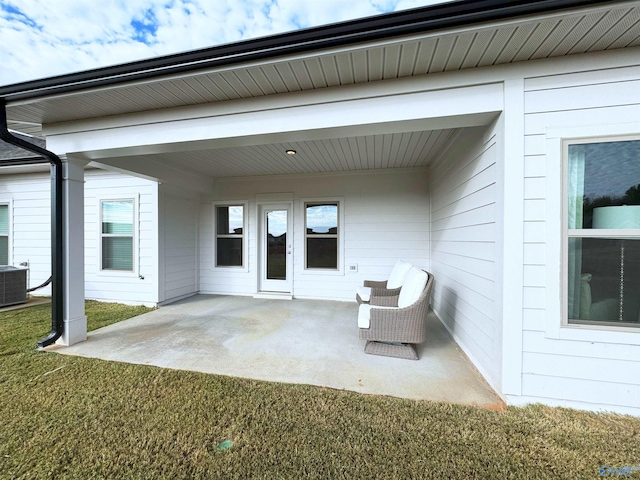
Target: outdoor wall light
{"type": "Point", "coordinates": [290, 152]}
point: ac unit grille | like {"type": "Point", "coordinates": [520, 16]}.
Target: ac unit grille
{"type": "Point", "coordinates": [13, 286]}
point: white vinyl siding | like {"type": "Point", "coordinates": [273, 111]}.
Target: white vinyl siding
{"type": "Point", "coordinates": [463, 245]}
{"type": "Point", "coordinates": [575, 366]}
{"type": "Point", "coordinates": [178, 246]}
{"type": "Point", "coordinates": [139, 286]}
{"type": "Point", "coordinates": [30, 220]}
{"type": "Point", "coordinates": [386, 217]}
{"type": "Point", "coordinates": [31, 241]}
{"type": "Point", "coordinates": [30, 194]}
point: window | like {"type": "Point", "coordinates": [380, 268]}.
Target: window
{"type": "Point", "coordinates": [117, 234]}
{"type": "Point", "coordinates": [321, 235]}
{"type": "Point", "coordinates": [230, 235]}
{"type": "Point", "coordinates": [603, 233]}
{"type": "Point", "coordinates": [4, 234]}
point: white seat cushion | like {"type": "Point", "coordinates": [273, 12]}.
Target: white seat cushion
{"type": "Point", "coordinates": [398, 274]}
{"type": "Point", "coordinates": [364, 314]}
{"type": "Point", "coordinates": [413, 286]}
{"type": "Point", "coordinates": [364, 293]}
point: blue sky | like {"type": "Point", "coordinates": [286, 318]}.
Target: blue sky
{"type": "Point", "coordinates": [53, 37]}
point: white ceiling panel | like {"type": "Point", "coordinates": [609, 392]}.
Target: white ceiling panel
{"type": "Point", "coordinates": [370, 152]}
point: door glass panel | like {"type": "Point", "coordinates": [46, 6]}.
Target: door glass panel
{"type": "Point", "coordinates": [277, 245]}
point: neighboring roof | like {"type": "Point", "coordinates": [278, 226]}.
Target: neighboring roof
{"type": "Point", "coordinates": [445, 37]}
{"type": "Point", "coordinates": [11, 152]}
{"type": "Point", "coordinates": [8, 151]}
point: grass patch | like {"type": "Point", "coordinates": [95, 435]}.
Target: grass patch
{"type": "Point", "coordinates": [73, 417]}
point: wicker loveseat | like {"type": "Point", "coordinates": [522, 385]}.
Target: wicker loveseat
{"type": "Point", "coordinates": [394, 324]}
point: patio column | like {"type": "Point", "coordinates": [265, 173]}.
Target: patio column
{"type": "Point", "coordinates": [75, 320]}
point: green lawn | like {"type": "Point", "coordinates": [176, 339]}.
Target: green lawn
{"type": "Point", "coordinates": [71, 417]}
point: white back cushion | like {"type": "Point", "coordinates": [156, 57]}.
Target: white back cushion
{"type": "Point", "coordinates": [413, 286]}
{"type": "Point", "coordinates": [398, 274]}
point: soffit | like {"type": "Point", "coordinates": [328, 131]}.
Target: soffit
{"type": "Point", "coordinates": [369, 152]}
{"type": "Point", "coordinates": [586, 30]}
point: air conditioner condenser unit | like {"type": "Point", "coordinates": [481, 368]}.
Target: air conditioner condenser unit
{"type": "Point", "coordinates": [13, 286]}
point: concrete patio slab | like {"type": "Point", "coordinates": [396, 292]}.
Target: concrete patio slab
{"type": "Point", "coordinates": [300, 341]}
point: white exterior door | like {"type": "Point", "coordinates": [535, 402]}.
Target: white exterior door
{"type": "Point", "coordinates": [276, 248]}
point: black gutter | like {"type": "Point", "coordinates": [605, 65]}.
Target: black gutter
{"type": "Point", "coordinates": [419, 20]}
{"type": "Point", "coordinates": [57, 238]}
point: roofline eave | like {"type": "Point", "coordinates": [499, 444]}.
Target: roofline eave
{"type": "Point", "coordinates": [420, 20]}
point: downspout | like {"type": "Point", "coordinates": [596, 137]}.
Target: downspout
{"type": "Point", "coordinates": [57, 238]}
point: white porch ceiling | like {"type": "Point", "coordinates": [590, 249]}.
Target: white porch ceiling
{"type": "Point", "coordinates": [602, 27]}
{"type": "Point", "coordinates": [399, 150]}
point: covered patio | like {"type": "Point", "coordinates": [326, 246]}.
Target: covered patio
{"type": "Point", "coordinates": [301, 341]}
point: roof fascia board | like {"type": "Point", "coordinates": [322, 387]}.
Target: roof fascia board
{"type": "Point", "coordinates": [437, 17]}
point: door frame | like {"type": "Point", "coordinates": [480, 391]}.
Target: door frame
{"type": "Point", "coordinates": [266, 286]}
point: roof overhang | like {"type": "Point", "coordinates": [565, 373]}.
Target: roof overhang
{"type": "Point", "coordinates": [464, 13]}
{"type": "Point", "coordinates": [420, 43]}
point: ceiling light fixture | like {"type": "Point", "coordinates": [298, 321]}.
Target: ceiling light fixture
{"type": "Point", "coordinates": [290, 152]}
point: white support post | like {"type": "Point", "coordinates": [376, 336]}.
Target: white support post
{"type": "Point", "coordinates": [512, 237]}
{"type": "Point", "coordinates": [75, 320]}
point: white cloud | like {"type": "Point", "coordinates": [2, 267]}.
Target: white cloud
{"type": "Point", "coordinates": [53, 37]}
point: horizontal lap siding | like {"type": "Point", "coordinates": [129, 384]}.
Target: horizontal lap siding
{"type": "Point", "coordinates": [463, 244]}
{"type": "Point", "coordinates": [180, 246]}
{"type": "Point", "coordinates": [557, 370]}
{"type": "Point", "coordinates": [126, 286]}
{"type": "Point", "coordinates": [386, 217]}
{"type": "Point", "coordinates": [31, 194]}
{"type": "Point", "coordinates": [30, 199]}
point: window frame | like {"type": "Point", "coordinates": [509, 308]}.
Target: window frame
{"type": "Point", "coordinates": [547, 232]}
{"type": "Point", "coordinates": [339, 202]}
{"type": "Point", "coordinates": [245, 228]}
{"type": "Point", "coordinates": [134, 272]}
{"type": "Point", "coordinates": [568, 233]}
{"type": "Point", "coordinates": [9, 234]}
